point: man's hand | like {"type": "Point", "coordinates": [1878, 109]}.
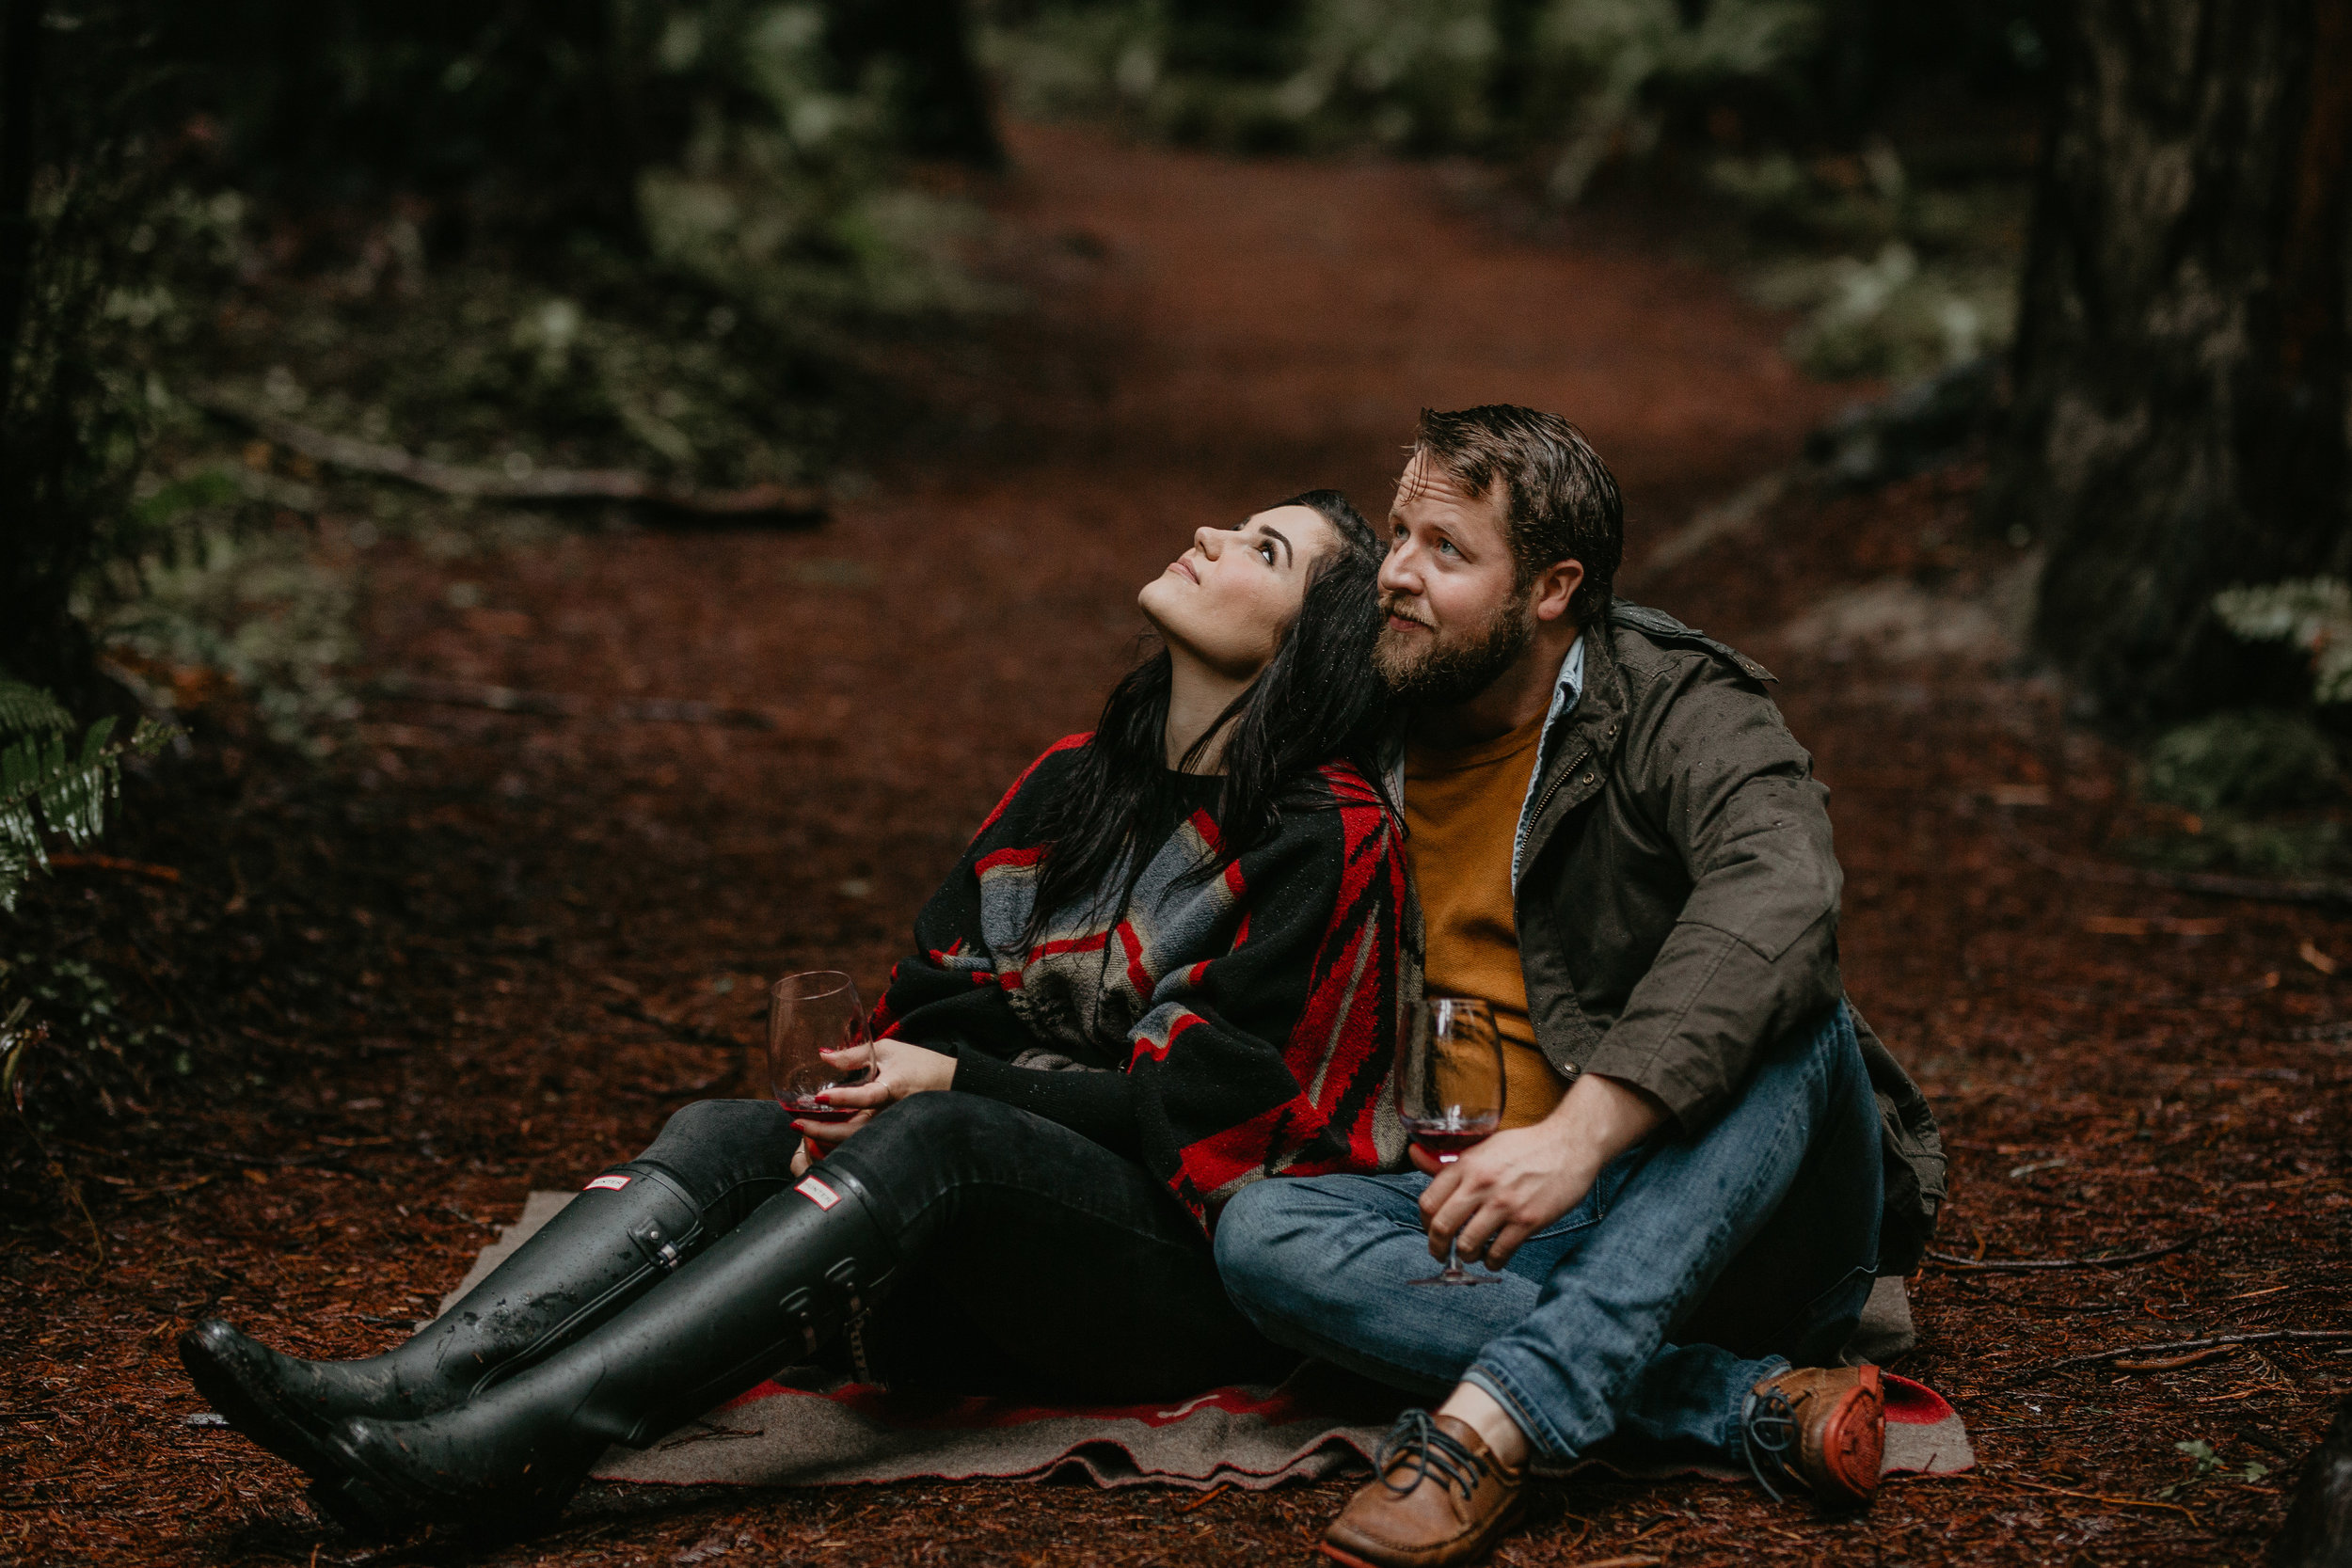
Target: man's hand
{"type": "Point", "coordinates": [899, 1069]}
{"type": "Point", "coordinates": [1515, 1183]}
{"type": "Point", "coordinates": [1503, 1192]}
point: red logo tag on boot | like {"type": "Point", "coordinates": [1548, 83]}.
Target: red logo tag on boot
{"type": "Point", "coordinates": [606, 1184]}
{"type": "Point", "coordinates": [818, 1193]}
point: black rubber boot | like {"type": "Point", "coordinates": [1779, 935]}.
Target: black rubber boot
{"type": "Point", "coordinates": [606, 1248]}
{"type": "Point", "coordinates": [772, 1291]}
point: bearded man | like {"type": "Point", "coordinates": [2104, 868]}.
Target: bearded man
{"type": "Point", "coordinates": [1708, 1158]}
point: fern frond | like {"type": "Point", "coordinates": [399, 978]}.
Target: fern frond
{"type": "Point", "coordinates": [2314, 613]}
{"type": "Point", "coordinates": [44, 780]}
{"type": "Point", "coordinates": [24, 708]}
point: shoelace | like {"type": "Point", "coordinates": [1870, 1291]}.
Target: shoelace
{"type": "Point", "coordinates": [1769, 1426]}
{"type": "Point", "coordinates": [1428, 1450]}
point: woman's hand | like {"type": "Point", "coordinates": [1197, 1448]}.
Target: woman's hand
{"type": "Point", "coordinates": [899, 1069]}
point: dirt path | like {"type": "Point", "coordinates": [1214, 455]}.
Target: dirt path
{"type": "Point", "coordinates": [564, 922]}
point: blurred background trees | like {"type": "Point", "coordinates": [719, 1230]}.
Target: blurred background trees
{"type": "Point", "coordinates": [654, 233]}
{"type": "Point", "coordinates": [2179, 419]}
{"type": "Point", "coordinates": [619, 232]}
{"type": "Point", "coordinates": [661, 235]}
{"type": "Point", "coordinates": [664, 236]}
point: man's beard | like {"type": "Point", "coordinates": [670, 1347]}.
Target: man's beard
{"type": "Point", "coordinates": [1453, 669]}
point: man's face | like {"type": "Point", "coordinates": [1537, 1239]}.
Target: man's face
{"type": "Point", "coordinates": [1456, 616]}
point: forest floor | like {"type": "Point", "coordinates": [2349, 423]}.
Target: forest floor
{"type": "Point", "coordinates": [481, 952]}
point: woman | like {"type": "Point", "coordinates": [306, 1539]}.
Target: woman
{"type": "Point", "coordinates": [1165, 968]}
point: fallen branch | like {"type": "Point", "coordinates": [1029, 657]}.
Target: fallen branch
{"type": "Point", "coordinates": [554, 704]}
{"type": "Point", "coordinates": [2018, 1265]}
{"type": "Point", "coordinates": [2105, 1497]}
{"type": "Point", "coordinates": [112, 862]}
{"type": "Point", "coordinates": [2260, 889]}
{"type": "Point", "coordinates": [538, 484]}
{"type": "Point", "coordinates": [2174, 1363]}
{"type": "Point", "coordinates": [1207, 1497]}
{"type": "Point", "coordinates": [2299, 1336]}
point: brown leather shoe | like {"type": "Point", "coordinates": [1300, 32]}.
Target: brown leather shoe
{"type": "Point", "coordinates": [1825, 1427]}
{"type": "Point", "coordinates": [1439, 1498]}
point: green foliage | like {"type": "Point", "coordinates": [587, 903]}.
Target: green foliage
{"type": "Point", "coordinates": [49, 783]}
{"type": "Point", "coordinates": [1587, 80]}
{"type": "Point", "coordinates": [2312, 613]}
{"type": "Point", "coordinates": [25, 710]}
{"type": "Point", "coordinates": [552, 234]}
{"type": "Point", "coordinates": [262, 607]}
{"type": "Point", "coordinates": [73, 1000]}
{"type": "Point", "coordinates": [1621, 64]}
{"type": "Point", "coordinates": [2207, 1465]}
{"type": "Point", "coordinates": [2242, 762]}
{"type": "Point", "coordinates": [1893, 316]}
{"type": "Point", "coordinates": [780, 196]}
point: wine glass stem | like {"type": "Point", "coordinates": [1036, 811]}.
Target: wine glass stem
{"type": "Point", "coordinates": [1454, 1259]}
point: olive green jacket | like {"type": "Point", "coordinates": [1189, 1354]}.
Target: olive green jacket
{"type": "Point", "coordinates": [1676, 893]}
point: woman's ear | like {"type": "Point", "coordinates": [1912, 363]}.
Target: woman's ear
{"type": "Point", "coordinates": [1555, 588]}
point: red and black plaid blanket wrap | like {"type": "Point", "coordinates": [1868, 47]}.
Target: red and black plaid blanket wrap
{"type": "Point", "coordinates": [1255, 1011]}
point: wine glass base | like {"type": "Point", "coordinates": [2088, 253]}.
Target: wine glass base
{"type": "Point", "coordinates": [1463, 1279]}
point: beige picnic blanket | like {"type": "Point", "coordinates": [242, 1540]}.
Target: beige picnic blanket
{"type": "Point", "coordinates": [1319, 1423]}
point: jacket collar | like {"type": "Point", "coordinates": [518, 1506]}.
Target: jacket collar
{"type": "Point", "coordinates": [1565, 693]}
{"type": "Point", "coordinates": [1580, 743]}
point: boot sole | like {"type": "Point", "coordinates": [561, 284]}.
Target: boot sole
{"type": "Point", "coordinates": [1513, 1512]}
{"type": "Point", "coordinates": [368, 1500]}
{"type": "Point", "coordinates": [339, 1502]}
{"type": "Point", "coordinates": [257, 1419]}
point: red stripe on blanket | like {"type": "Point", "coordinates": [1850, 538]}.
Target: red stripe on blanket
{"type": "Point", "coordinates": [1909, 1403]}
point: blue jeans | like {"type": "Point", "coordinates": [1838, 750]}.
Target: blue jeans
{"type": "Point", "coordinates": [1698, 1265]}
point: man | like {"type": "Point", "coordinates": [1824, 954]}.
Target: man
{"type": "Point", "coordinates": [1706, 1157]}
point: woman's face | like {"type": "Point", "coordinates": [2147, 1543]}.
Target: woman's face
{"type": "Point", "coordinates": [1229, 599]}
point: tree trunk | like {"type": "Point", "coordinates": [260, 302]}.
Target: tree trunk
{"type": "Point", "coordinates": [2179, 418]}
{"type": "Point", "coordinates": [2318, 1531]}
{"type": "Point", "coordinates": [20, 77]}
{"type": "Point", "coordinates": [40, 639]}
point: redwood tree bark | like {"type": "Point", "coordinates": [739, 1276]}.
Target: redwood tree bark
{"type": "Point", "coordinates": [2181, 369]}
{"type": "Point", "coordinates": [2318, 1531]}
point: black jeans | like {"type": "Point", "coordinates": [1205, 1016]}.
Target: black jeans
{"type": "Point", "coordinates": [1032, 1261]}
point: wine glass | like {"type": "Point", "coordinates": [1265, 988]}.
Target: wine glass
{"type": "Point", "coordinates": [1449, 1091]}
{"type": "Point", "coordinates": [807, 1014]}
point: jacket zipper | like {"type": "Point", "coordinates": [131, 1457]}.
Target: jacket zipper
{"type": "Point", "coordinates": [1554, 788]}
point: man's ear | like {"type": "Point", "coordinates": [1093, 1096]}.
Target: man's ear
{"type": "Point", "coordinates": [1555, 585]}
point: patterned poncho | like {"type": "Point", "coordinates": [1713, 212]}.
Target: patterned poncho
{"type": "Point", "coordinates": [1253, 1011]}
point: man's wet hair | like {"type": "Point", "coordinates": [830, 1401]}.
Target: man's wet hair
{"type": "Point", "coordinates": [1558, 497]}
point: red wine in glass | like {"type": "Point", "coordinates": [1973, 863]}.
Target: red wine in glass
{"type": "Point", "coordinates": [808, 1015]}
{"type": "Point", "coordinates": [1449, 1091]}
{"type": "Point", "coordinates": [809, 1108]}
{"type": "Point", "coordinates": [1444, 1141]}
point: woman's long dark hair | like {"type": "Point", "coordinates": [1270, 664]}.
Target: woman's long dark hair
{"type": "Point", "coordinates": [1316, 702]}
